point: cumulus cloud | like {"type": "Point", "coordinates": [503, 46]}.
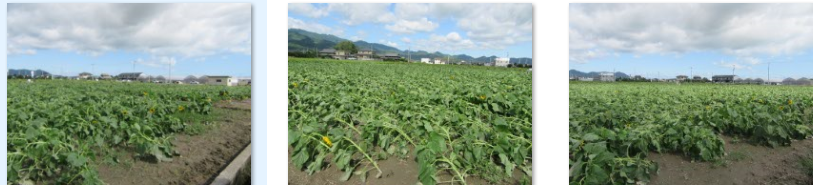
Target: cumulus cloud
{"type": "Point", "coordinates": [314, 27]}
{"type": "Point", "coordinates": [486, 26]}
{"type": "Point", "coordinates": [309, 10]}
{"type": "Point", "coordinates": [741, 30]}
{"type": "Point", "coordinates": [406, 26]}
{"type": "Point", "coordinates": [406, 40]}
{"type": "Point", "coordinates": [186, 30]}
{"type": "Point", "coordinates": [357, 13]}
{"type": "Point", "coordinates": [449, 42]}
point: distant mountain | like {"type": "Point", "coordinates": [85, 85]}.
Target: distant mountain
{"type": "Point", "coordinates": [300, 40]}
{"type": "Point", "coordinates": [593, 74]}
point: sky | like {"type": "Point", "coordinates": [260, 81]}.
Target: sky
{"type": "Point", "coordinates": [472, 29]}
{"type": "Point", "coordinates": [195, 39]}
{"type": "Point", "coordinates": [666, 40]}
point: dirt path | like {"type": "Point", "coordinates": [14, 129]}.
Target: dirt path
{"type": "Point", "coordinates": [202, 156]}
{"type": "Point", "coordinates": [745, 164]}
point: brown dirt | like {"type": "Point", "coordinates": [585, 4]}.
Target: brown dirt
{"type": "Point", "coordinates": [396, 171]}
{"type": "Point", "coordinates": [745, 164]}
{"type": "Point", "coordinates": [202, 156]}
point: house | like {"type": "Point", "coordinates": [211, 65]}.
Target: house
{"type": "Point", "coordinates": [501, 62]}
{"type": "Point", "coordinates": [244, 81]}
{"type": "Point", "coordinates": [221, 80]}
{"type": "Point", "coordinates": [681, 78]}
{"type": "Point", "coordinates": [365, 54]}
{"type": "Point", "coordinates": [585, 79]}
{"type": "Point", "coordinates": [426, 60]}
{"type": "Point", "coordinates": [131, 76]}
{"type": "Point", "coordinates": [106, 76]}
{"type": "Point", "coordinates": [327, 53]}
{"type": "Point", "coordinates": [488, 64]}
{"type": "Point", "coordinates": [697, 78]}
{"type": "Point", "coordinates": [723, 78]}
{"type": "Point", "coordinates": [607, 77]}
{"type": "Point", "coordinates": [391, 56]}
{"type": "Point", "coordinates": [341, 54]}
{"type": "Point", "coordinates": [85, 75]}
{"type": "Point", "coordinates": [637, 77]}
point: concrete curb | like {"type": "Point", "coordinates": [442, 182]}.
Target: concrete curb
{"type": "Point", "coordinates": [229, 174]}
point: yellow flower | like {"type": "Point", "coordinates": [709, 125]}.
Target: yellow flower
{"type": "Point", "coordinates": [208, 100]}
{"type": "Point", "coordinates": [482, 97]}
{"type": "Point", "coordinates": [180, 108]}
{"type": "Point", "coordinates": [124, 112]}
{"type": "Point", "coordinates": [452, 77]}
{"type": "Point", "coordinates": [708, 107]}
{"type": "Point", "coordinates": [781, 107]}
{"type": "Point", "coordinates": [790, 102]}
{"type": "Point", "coordinates": [152, 110]}
{"type": "Point", "coordinates": [145, 93]}
{"type": "Point", "coordinates": [327, 141]}
{"type": "Point", "coordinates": [295, 84]}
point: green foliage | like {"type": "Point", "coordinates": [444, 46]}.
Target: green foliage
{"type": "Point", "coordinates": [346, 46]}
{"type": "Point", "coordinates": [57, 128]}
{"type": "Point", "coordinates": [614, 125]}
{"type": "Point", "coordinates": [464, 120]}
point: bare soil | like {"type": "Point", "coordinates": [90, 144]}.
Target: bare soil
{"type": "Point", "coordinates": [745, 164]}
{"type": "Point", "coordinates": [396, 171]}
{"type": "Point", "coordinates": [202, 156]}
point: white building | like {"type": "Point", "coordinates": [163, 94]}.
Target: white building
{"type": "Point", "coordinates": [501, 62]}
{"type": "Point", "coordinates": [607, 77]}
{"type": "Point", "coordinates": [439, 61]}
{"type": "Point", "coordinates": [246, 81]}
{"type": "Point", "coordinates": [426, 60]}
{"type": "Point", "coordinates": [221, 80]}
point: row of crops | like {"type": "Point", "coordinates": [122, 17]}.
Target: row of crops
{"type": "Point", "coordinates": [613, 126]}
{"type": "Point", "coordinates": [58, 128]}
{"type": "Point", "coordinates": [460, 120]}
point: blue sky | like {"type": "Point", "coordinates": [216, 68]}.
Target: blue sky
{"type": "Point", "coordinates": [666, 40]}
{"type": "Point", "coordinates": [67, 39]}
{"type": "Point", "coordinates": [472, 29]}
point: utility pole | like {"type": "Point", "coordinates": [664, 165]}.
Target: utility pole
{"type": "Point", "coordinates": [169, 78]}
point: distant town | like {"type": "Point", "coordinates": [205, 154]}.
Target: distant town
{"type": "Point", "coordinates": [727, 79]}
{"type": "Point", "coordinates": [224, 80]}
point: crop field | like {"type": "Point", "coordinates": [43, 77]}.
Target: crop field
{"type": "Point", "coordinates": [614, 126]}
{"type": "Point", "coordinates": [462, 121]}
{"type": "Point", "coordinates": [58, 130]}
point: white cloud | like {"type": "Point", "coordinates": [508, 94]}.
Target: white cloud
{"type": "Point", "coordinates": [157, 62]}
{"type": "Point", "coordinates": [313, 27]}
{"type": "Point", "coordinates": [158, 29]}
{"type": "Point", "coordinates": [357, 13]}
{"type": "Point", "coordinates": [309, 10]}
{"type": "Point", "coordinates": [406, 40]}
{"type": "Point", "coordinates": [741, 30]}
{"type": "Point", "coordinates": [406, 26]}
{"type": "Point", "coordinates": [450, 42]}
{"type": "Point", "coordinates": [388, 43]}
{"type": "Point", "coordinates": [731, 65]}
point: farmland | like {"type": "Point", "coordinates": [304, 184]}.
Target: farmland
{"type": "Point", "coordinates": [453, 122]}
{"type": "Point", "coordinates": [59, 130]}
{"type": "Point", "coordinates": [615, 127]}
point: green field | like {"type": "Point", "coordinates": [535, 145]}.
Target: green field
{"type": "Point", "coordinates": [461, 120]}
{"type": "Point", "coordinates": [59, 129]}
{"type": "Point", "coordinates": [614, 125]}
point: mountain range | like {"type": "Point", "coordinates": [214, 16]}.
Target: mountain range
{"type": "Point", "coordinates": [303, 40]}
